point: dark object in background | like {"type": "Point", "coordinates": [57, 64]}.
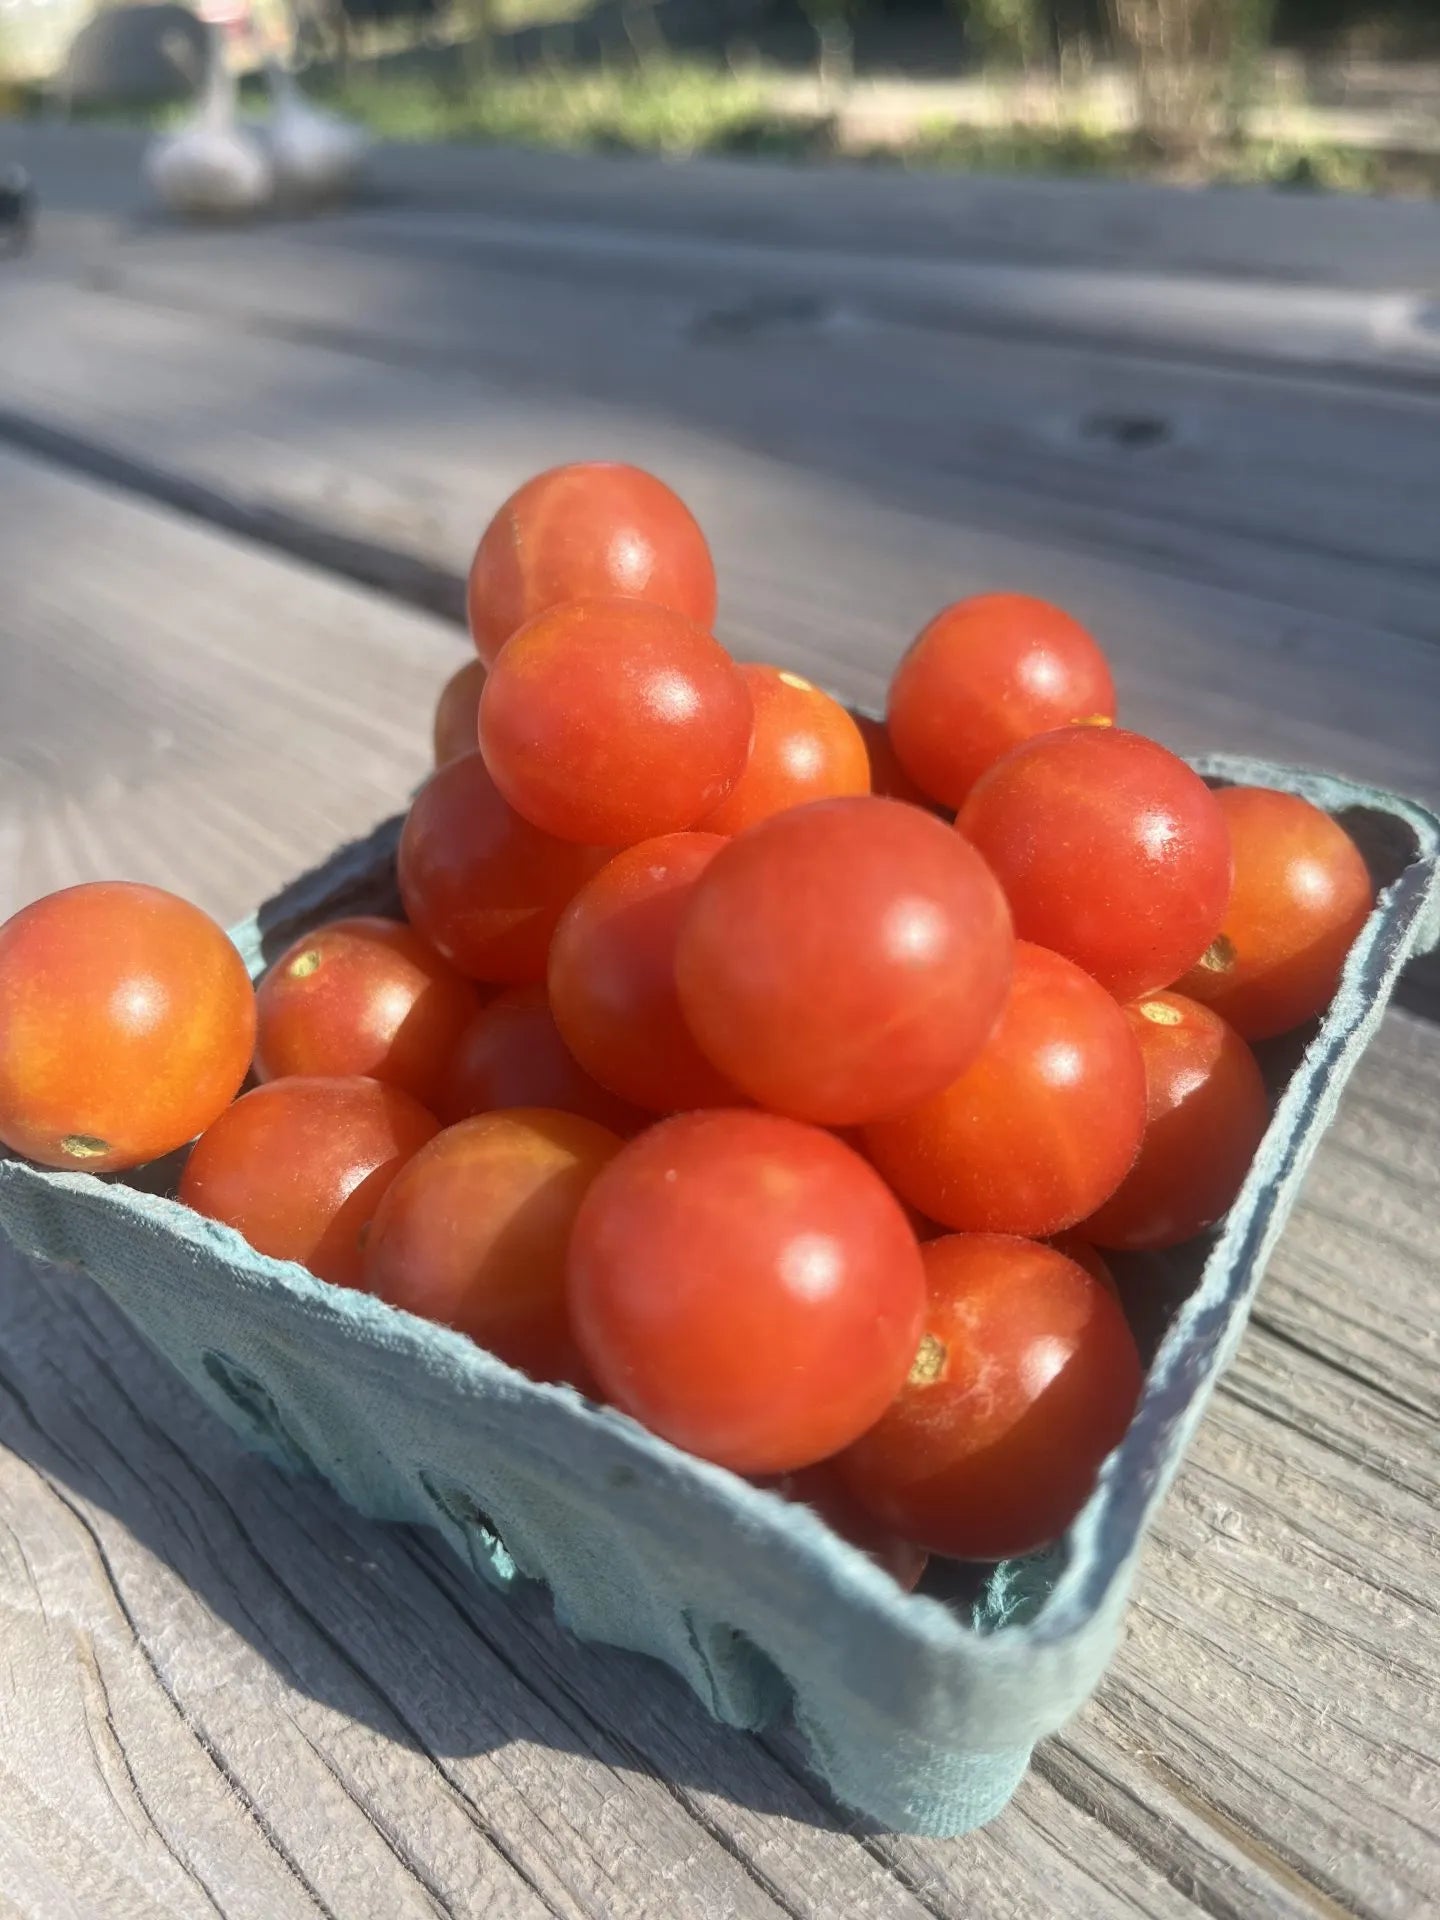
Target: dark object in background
{"type": "Point", "coordinates": [136, 56]}
{"type": "Point", "coordinates": [17, 209]}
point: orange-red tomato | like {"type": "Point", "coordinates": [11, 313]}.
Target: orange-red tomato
{"type": "Point", "coordinates": [985, 674]}
{"type": "Point", "coordinates": [363, 996]}
{"type": "Point", "coordinates": [594, 529]}
{"type": "Point", "coordinates": [126, 1024]}
{"type": "Point", "coordinates": [611, 721]}
{"type": "Point", "coordinates": [299, 1167]}
{"type": "Point", "coordinates": [1041, 1127]}
{"type": "Point", "coordinates": [474, 1232]}
{"type": "Point", "coordinates": [511, 1055]}
{"type": "Point", "coordinates": [806, 747]}
{"type": "Point", "coordinates": [612, 977]}
{"type": "Point", "coordinates": [1300, 895]}
{"type": "Point", "coordinates": [822, 1488]}
{"type": "Point", "coordinates": [1110, 850]}
{"type": "Point", "coordinates": [483, 886]}
{"type": "Point", "coordinates": [1026, 1378]}
{"type": "Point", "coordinates": [887, 776]}
{"type": "Point", "coordinates": [747, 1287]}
{"type": "Point", "coordinates": [457, 713]}
{"type": "Point", "coordinates": [838, 961]}
{"type": "Point", "coordinates": [1207, 1112]}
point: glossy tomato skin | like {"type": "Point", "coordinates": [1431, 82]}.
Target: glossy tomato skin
{"type": "Point", "coordinates": [821, 1488]}
{"type": "Point", "coordinates": [985, 674]}
{"type": "Point", "coordinates": [887, 777]}
{"type": "Point", "coordinates": [1027, 1377]}
{"type": "Point", "coordinates": [480, 884]}
{"type": "Point", "coordinates": [747, 1287]}
{"type": "Point", "coordinates": [126, 1024]}
{"type": "Point", "coordinates": [511, 1055]}
{"type": "Point", "coordinates": [612, 721]}
{"type": "Point", "coordinates": [1041, 1127]}
{"type": "Point", "coordinates": [457, 713]}
{"type": "Point", "coordinates": [612, 977]}
{"type": "Point", "coordinates": [838, 962]}
{"type": "Point", "coordinates": [474, 1232]}
{"type": "Point", "coordinates": [1110, 850]}
{"type": "Point", "coordinates": [1206, 1114]}
{"type": "Point", "coordinates": [1300, 895]}
{"type": "Point", "coordinates": [805, 747]}
{"type": "Point", "coordinates": [299, 1167]}
{"type": "Point", "coordinates": [366, 996]}
{"type": "Point", "coordinates": [596, 529]}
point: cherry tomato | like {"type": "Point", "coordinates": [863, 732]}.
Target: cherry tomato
{"type": "Point", "coordinates": [986, 674]}
{"type": "Point", "coordinates": [1207, 1111]}
{"type": "Point", "coordinates": [511, 1055]}
{"type": "Point", "coordinates": [612, 977]}
{"type": "Point", "coordinates": [1026, 1378]}
{"type": "Point", "coordinates": [126, 1024]}
{"type": "Point", "coordinates": [299, 1167]}
{"type": "Point", "coordinates": [611, 721]}
{"type": "Point", "coordinates": [806, 747]}
{"type": "Point", "coordinates": [1110, 850]}
{"type": "Point", "coordinates": [887, 776]}
{"type": "Point", "coordinates": [595, 529]}
{"type": "Point", "coordinates": [483, 886]}
{"type": "Point", "coordinates": [363, 996]}
{"type": "Point", "coordinates": [1041, 1126]}
{"type": "Point", "coordinates": [457, 713]}
{"type": "Point", "coordinates": [822, 1488]}
{"type": "Point", "coordinates": [838, 961]}
{"type": "Point", "coordinates": [1301, 894]}
{"type": "Point", "coordinates": [474, 1232]}
{"type": "Point", "coordinates": [747, 1287]}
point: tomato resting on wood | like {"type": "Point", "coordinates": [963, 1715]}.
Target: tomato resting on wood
{"type": "Point", "coordinates": [612, 977]}
{"type": "Point", "coordinates": [1041, 1127]}
{"type": "Point", "coordinates": [1025, 1379]}
{"type": "Point", "coordinates": [511, 1055]}
{"type": "Point", "coordinates": [474, 1232]}
{"type": "Point", "coordinates": [596, 528]}
{"type": "Point", "coordinates": [805, 747]}
{"type": "Point", "coordinates": [1206, 1113]}
{"type": "Point", "coordinates": [457, 713]}
{"type": "Point", "coordinates": [483, 886]}
{"type": "Point", "coordinates": [839, 961]}
{"type": "Point", "coordinates": [126, 1024]}
{"type": "Point", "coordinates": [1110, 850]}
{"type": "Point", "coordinates": [1300, 895]}
{"type": "Point", "coordinates": [747, 1286]}
{"type": "Point", "coordinates": [363, 996]}
{"type": "Point", "coordinates": [985, 674]}
{"type": "Point", "coordinates": [299, 1167]}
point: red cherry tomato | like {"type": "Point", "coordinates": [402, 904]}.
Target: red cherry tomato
{"type": "Point", "coordinates": [511, 1055]}
{"type": "Point", "coordinates": [612, 977]}
{"type": "Point", "coordinates": [1041, 1127]}
{"type": "Point", "coordinates": [747, 1287]}
{"type": "Point", "coordinates": [887, 776]}
{"type": "Point", "coordinates": [483, 886]}
{"type": "Point", "coordinates": [806, 747]}
{"type": "Point", "coordinates": [457, 713]}
{"type": "Point", "coordinates": [1207, 1112]}
{"type": "Point", "coordinates": [986, 674]}
{"type": "Point", "coordinates": [126, 1024]}
{"type": "Point", "coordinates": [822, 1488]}
{"type": "Point", "coordinates": [300, 1166]}
{"type": "Point", "coordinates": [610, 721]}
{"type": "Point", "coordinates": [1110, 850]}
{"type": "Point", "coordinates": [838, 961]}
{"type": "Point", "coordinates": [474, 1232]}
{"type": "Point", "coordinates": [1301, 894]}
{"type": "Point", "coordinates": [593, 530]}
{"type": "Point", "coordinates": [1026, 1378]}
{"type": "Point", "coordinates": [363, 996]}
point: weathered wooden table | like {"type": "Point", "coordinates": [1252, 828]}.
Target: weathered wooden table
{"type": "Point", "coordinates": [240, 475]}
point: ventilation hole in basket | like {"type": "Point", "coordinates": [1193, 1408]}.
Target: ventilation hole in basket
{"type": "Point", "coordinates": [259, 1417]}
{"type": "Point", "coordinates": [738, 1680]}
{"type": "Point", "coordinates": [488, 1553]}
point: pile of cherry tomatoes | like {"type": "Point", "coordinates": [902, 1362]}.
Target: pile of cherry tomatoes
{"type": "Point", "coordinates": [773, 1076]}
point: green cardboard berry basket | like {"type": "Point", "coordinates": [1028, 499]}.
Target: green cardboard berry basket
{"type": "Point", "coordinates": [919, 1710]}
